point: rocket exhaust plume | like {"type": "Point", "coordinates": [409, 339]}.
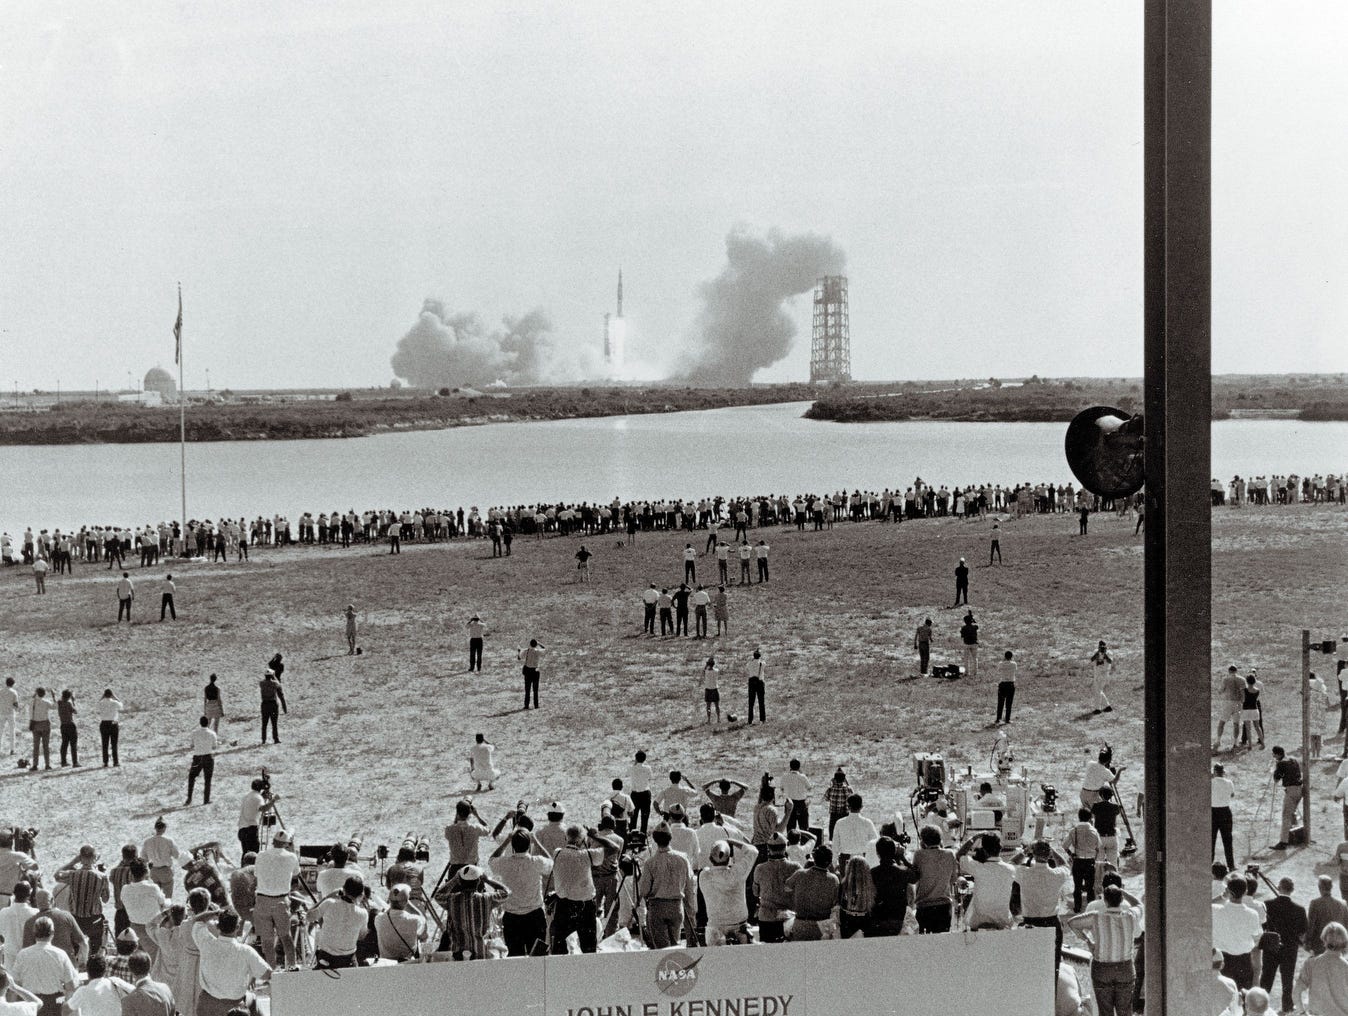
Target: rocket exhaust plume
{"type": "Point", "coordinates": [451, 350]}
{"type": "Point", "coordinates": [743, 324]}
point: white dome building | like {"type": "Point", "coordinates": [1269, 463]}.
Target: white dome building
{"type": "Point", "coordinates": [157, 379]}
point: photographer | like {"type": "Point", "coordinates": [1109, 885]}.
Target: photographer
{"type": "Point", "coordinates": [401, 929]}
{"type": "Point", "coordinates": [228, 969]}
{"type": "Point", "coordinates": [473, 897]}
{"type": "Point", "coordinates": [87, 882]}
{"type": "Point", "coordinates": [332, 878]}
{"type": "Point", "coordinates": [523, 871]}
{"type": "Point", "coordinates": [891, 876]}
{"type": "Point", "coordinates": [341, 921]}
{"type": "Point", "coordinates": [1041, 881]}
{"type": "Point", "coordinates": [463, 835]}
{"type": "Point", "coordinates": [15, 866]}
{"type": "Point", "coordinates": [258, 803]}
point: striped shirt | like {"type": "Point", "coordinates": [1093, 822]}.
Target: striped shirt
{"type": "Point", "coordinates": [1112, 932]}
{"type": "Point", "coordinates": [470, 919]}
{"type": "Point", "coordinates": [88, 891]}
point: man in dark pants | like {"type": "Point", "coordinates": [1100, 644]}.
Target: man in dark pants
{"type": "Point", "coordinates": [204, 740]}
{"type": "Point", "coordinates": [476, 633]}
{"type": "Point", "coordinates": [648, 599]}
{"type": "Point", "coordinates": [681, 598]}
{"type": "Point", "coordinates": [1286, 919]}
{"type": "Point", "coordinates": [961, 583]}
{"type": "Point", "coordinates": [757, 687]}
{"type": "Point", "coordinates": [531, 656]}
{"type": "Point", "coordinates": [166, 598]}
{"type": "Point", "coordinates": [273, 704]}
{"type": "Point", "coordinates": [1223, 790]}
{"type": "Point", "coordinates": [1085, 514]}
{"type": "Point", "coordinates": [922, 643]}
{"type": "Point", "coordinates": [1082, 845]}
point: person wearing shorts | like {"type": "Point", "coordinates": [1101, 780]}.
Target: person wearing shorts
{"type": "Point", "coordinates": [711, 691]}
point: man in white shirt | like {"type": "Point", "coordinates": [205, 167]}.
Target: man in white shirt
{"type": "Point", "coordinates": [638, 785]}
{"type": "Point", "coordinates": [524, 925]}
{"type": "Point", "coordinates": [648, 599]}
{"type": "Point", "coordinates": [341, 920]}
{"type": "Point", "coordinates": [796, 789]}
{"type": "Point", "coordinates": [722, 886]}
{"type": "Point", "coordinates": [1223, 790]}
{"type": "Point", "coordinates": [160, 852]}
{"type": "Point", "coordinates": [276, 868]}
{"type": "Point", "coordinates": [401, 929]}
{"type": "Point", "coordinates": [854, 834]}
{"type": "Point", "coordinates": [228, 967]}
{"type": "Point", "coordinates": [1097, 775]}
{"type": "Point", "coordinates": [250, 817]}
{"type": "Point", "coordinates": [28, 1004]}
{"type": "Point", "coordinates": [143, 902]}
{"type": "Point", "coordinates": [167, 589]}
{"type": "Point", "coordinates": [45, 970]}
{"type": "Point", "coordinates": [12, 920]}
{"type": "Point", "coordinates": [204, 742]}
{"type": "Point", "coordinates": [990, 906]}
{"type": "Point", "coordinates": [101, 995]}
{"type": "Point", "coordinates": [678, 792]}
{"type": "Point", "coordinates": [757, 687]}
{"type": "Point", "coordinates": [1236, 930]}
{"type": "Point", "coordinates": [108, 709]}
{"type": "Point", "coordinates": [126, 592]}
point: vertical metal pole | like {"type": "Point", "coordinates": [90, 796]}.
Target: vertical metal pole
{"type": "Point", "coordinates": [182, 429]}
{"type": "Point", "coordinates": [1306, 733]}
{"type": "Point", "coordinates": [1178, 549]}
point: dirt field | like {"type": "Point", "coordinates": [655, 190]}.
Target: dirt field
{"type": "Point", "coordinates": [376, 744]}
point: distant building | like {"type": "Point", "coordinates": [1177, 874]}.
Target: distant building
{"type": "Point", "coordinates": [157, 379]}
{"type": "Point", "coordinates": [145, 398]}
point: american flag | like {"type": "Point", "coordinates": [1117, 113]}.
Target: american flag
{"type": "Point", "coordinates": [178, 330]}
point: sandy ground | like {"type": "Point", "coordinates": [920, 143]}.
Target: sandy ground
{"type": "Point", "coordinates": [376, 745]}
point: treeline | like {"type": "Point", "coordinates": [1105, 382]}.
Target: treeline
{"type": "Point", "coordinates": [90, 422]}
{"type": "Point", "coordinates": [1057, 401]}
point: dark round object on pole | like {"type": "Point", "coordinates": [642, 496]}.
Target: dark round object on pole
{"type": "Point", "coordinates": [1104, 450]}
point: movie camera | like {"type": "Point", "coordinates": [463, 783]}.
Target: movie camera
{"type": "Point", "coordinates": [634, 846]}
{"type": "Point", "coordinates": [25, 838]}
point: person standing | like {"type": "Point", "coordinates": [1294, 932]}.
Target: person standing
{"type": "Point", "coordinates": [922, 643]}
{"type": "Point", "coordinates": [1006, 686]}
{"type": "Point", "coordinates": [1084, 514]}
{"type": "Point", "coordinates": [701, 601]}
{"type": "Point", "coordinates": [648, 599]}
{"type": "Point", "coordinates": [204, 742]}
{"type": "Point", "coordinates": [995, 549]}
{"type": "Point", "coordinates": [936, 869]}
{"type": "Point", "coordinates": [70, 734]}
{"type": "Point", "coordinates": [638, 783]}
{"type": "Point", "coordinates": [711, 689]}
{"type": "Point", "coordinates": [213, 706]}
{"type": "Point", "coordinates": [665, 603]}
{"type": "Point", "coordinates": [477, 631]}
{"type": "Point", "coordinates": [1286, 919]}
{"type": "Point", "coordinates": [1229, 702]}
{"type": "Point", "coordinates": [796, 789]}
{"type": "Point", "coordinates": [524, 924]}
{"type": "Point", "coordinates": [126, 592]}
{"type": "Point", "coordinates": [1223, 790]}
{"type": "Point", "coordinates": [1325, 977]}
{"type": "Point", "coordinates": [681, 597]}
{"type": "Point", "coordinates": [251, 809]}
{"type": "Point", "coordinates": [721, 609]}
{"type": "Point", "coordinates": [276, 869]}
{"type": "Point", "coordinates": [350, 615]}
{"type": "Point", "coordinates": [1082, 845]}
{"type": "Point", "coordinates": [39, 723]}
{"type": "Point", "coordinates": [229, 968]}
{"type": "Point", "coordinates": [757, 687]}
{"type": "Point", "coordinates": [573, 880]}
{"type": "Point", "coordinates": [166, 598]}
{"type": "Point", "coordinates": [9, 710]}
{"type": "Point", "coordinates": [40, 569]}
{"type": "Point", "coordinates": [1322, 912]}
{"type": "Point", "coordinates": [532, 657]}
{"type": "Point", "coordinates": [1287, 771]}
{"type": "Point", "coordinates": [45, 970]}
{"type": "Point", "coordinates": [689, 565]}
{"type": "Point", "coordinates": [723, 562]}
{"type": "Point", "coordinates": [668, 888]}
{"type": "Point", "coordinates": [1110, 933]}
{"type": "Point", "coordinates": [1252, 711]}
{"type": "Point", "coordinates": [961, 583]}
{"type": "Point", "coordinates": [109, 711]}
{"type": "Point", "coordinates": [969, 636]}
{"type": "Point", "coordinates": [273, 703]}
{"type": "Point", "coordinates": [160, 851]}
{"type": "Point", "coordinates": [583, 564]}
{"type": "Point", "coordinates": [761, 555]}
{"type": "Point", "coordinates": [88, 892]}
{"type": "Point", "coordinates": [1102, 668]}
{"type": "Point", "coordinates": [1236, 930]}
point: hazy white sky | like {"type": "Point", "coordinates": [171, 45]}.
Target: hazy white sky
{"type": "Point", "coordinates": [312, 172]}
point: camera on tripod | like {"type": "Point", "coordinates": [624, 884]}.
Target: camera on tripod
{"type": "Point", "coordinates": [634, 845]}
{"type": "Point", "coordinates": [419, 845]}
{"type": "Point", "coordinates": [268, 816]}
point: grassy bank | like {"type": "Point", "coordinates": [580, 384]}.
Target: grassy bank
{"type": "Point", "coordinates": [100, 422]}
{"type": "Point", "coordinates": [1306, 397]}
{"type": "Point", "coordinates": [376, 744]}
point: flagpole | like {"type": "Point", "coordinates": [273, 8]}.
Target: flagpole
{"type": "Point", "coordinates": [182, 418]}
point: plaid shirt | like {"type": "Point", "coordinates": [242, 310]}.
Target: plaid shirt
{"type": "Point", "coordinates": [120, 966]}
{"type": "Point", "coordinates": [470, 917]}
{"type": "Point", "coordinates": [202, 874]}
{"type": "Point", "coordinates": [836, 797]}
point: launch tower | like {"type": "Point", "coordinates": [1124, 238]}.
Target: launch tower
{"type": "Point", "coordinates": [831, 345]}
{"type": "Point", "coordinates": [615, 334]}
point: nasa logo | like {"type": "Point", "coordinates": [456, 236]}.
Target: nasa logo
{"type": "Point", "coordinates": [676, 974]}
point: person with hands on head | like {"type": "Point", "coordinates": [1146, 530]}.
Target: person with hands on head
{"type": "Point", "coordinates": [524, 923]}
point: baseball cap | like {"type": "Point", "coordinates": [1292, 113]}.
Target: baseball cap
{"type": "Point", "coordinates": [720, 852]}
{"type": "Point", "coordinates": [400, 893]}
{"type": "Point", "coordinates": [470, 873]}
{"type": "Point", "coordinates": [675, 809]}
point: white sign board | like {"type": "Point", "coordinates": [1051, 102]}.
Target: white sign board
{"type": "Point", "coordinates": [1008, 973]}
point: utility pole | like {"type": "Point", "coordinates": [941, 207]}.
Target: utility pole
{"type": "Point", "coordinates": [1306, 733]}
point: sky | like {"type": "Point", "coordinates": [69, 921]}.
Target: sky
{"type": "Point", "coordinates": [312, 173]}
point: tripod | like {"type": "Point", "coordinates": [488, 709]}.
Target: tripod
{"type": "Point", "coordinates": [1129, 844]}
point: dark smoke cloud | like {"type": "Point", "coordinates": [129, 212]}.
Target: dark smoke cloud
{"type": "Point", "coordinates": [453, 350]}
{"type": "Point", "coordinates": [743, 325]}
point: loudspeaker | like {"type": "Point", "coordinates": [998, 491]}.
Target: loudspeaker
{"type": "Point", "coordinates": [1104, 450]}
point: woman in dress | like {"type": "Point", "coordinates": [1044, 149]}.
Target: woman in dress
{"type": "Point", "coordinates": [214, 707]}
{"type": "Point", "coordinates": [1251, 712]}
{"type": "Point", "coordinates": [722, 611]}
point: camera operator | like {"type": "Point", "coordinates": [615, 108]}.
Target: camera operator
{"type": "Point", "coordinates": [87, 884]}
{"type": "Point", "coordinates": [342, 920]}
{"type": "Point", "coordinates": [891, 876]}
{"type": "Point", "coordinates": [463, 835]}
{"type": "Point", "coordinates": [276, 869]}
{"type": "Point", "coordinates": [15, 866]}
{"type": "Point", "coordinates": [769, 881]}
{"type": "Point", "coordinates": [401, 929]}
{"type": "Point", "coordinates": [332, 878]}
{"type": "Point", "coordinates": [523, 871]}
{"type": "Point", "coordinates": [405, 870]}
{"type": "Point", "coordinates": [1041, 881]}
{"type": "Point", "coordinates": [990, 905]}
{"type": "Point", "coordinates": [257, 803]}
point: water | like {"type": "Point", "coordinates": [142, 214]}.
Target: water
{"type": "Point", "coordinates": [755, 449]}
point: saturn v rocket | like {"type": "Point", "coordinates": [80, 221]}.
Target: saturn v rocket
{"type": "Point", "coordinates": [615, 334]}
